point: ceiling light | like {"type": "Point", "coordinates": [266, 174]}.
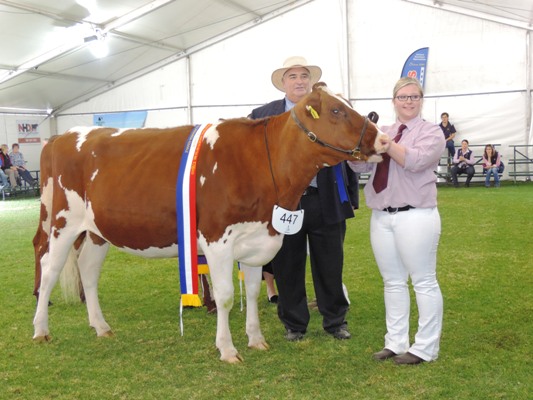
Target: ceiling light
{"type": "Point", "coordinates": [97, 44]}
{"type": "Point", "coordinates": [99, 49]}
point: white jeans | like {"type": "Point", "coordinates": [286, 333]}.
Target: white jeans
{"type": "Point", "coordinates": [405, 245]}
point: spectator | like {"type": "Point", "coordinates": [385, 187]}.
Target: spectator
{"type": "Point", "coordinates": [324, 225]}
{"type": "Point", "coordinates": [3, 177]}
{"type": "Point", "coordinates": [449, 133]}
{"type": "Point", "coordinates": [17, 160]}
{"type": "Point", "coordinates": [491, 165]}
{"type": "Point", "coordinates": [463, 162]}
{"type": "Point", "coordinates": [405, 227]}
{"type": "Point", "coordinates": [8, 169]}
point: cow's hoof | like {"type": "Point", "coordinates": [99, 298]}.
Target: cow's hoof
{"type": "Point", "coordinates": [235, 359]}
{"type": "Point", "coordinates": [107, 334]}
{"type": "Point", "coordinates": [42, 339]}
{"type": "Point", "coordinates": [259, 346]}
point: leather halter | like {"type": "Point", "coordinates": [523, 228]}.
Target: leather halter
{"type": "Point", "coordinates": [355, 153]}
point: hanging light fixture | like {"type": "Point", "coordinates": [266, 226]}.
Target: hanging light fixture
{"type": "Point", "coordinates": [97, 43]}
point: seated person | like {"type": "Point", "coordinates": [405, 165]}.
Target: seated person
{"type": "Point", "coordinates": [17, 160]}
{"type": "Point", "coordinates": [7, 168]}
{"type": "Point", "coordinates": [3, 176]}
{"type": "Point", "coordinates": [491, 165]}
{"type": "Point", "coordinates": [463, 162]}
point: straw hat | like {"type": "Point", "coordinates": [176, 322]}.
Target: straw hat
{"type": "Point", "coordinates": [295, 62]}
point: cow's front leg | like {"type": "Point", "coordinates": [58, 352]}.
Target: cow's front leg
{"type": "Point", "coordinates": [221, 277]}
{"type": "Point", "coordinates": [252, 281]}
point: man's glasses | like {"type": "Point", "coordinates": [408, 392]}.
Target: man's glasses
{"type": "Point", "coordinates": [415, 97]}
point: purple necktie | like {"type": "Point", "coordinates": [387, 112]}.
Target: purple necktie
{"type": "Point", "coordinates": [382, 170]}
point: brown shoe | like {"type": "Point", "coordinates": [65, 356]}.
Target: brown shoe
{"type": "Point", "coordinates": [384, 354]}
{"type": "Point", "coordinates": [408, 359]}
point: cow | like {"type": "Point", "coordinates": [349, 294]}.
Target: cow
{"type": "Point", "coordinates": [99, 189]}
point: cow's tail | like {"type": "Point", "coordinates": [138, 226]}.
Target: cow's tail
{"type": "Point", "coordinates": [70, 279]}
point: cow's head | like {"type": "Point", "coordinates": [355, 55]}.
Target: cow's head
{"type": "Point", "coordinates": [329, 120]}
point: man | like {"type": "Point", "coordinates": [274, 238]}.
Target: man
{"type": "Point", "coordinates": [327, 203]}
{"type": "Point", "coordinates": [449, 133]}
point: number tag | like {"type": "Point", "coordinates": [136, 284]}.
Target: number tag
{"type": "Point", "coordinates": [287, 222]}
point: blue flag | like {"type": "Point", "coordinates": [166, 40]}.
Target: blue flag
{"type": "Point", "coordinates": [415, 65]}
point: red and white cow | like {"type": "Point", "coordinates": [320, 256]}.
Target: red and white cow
{"type": "Point", "coordinates": [108, 186]}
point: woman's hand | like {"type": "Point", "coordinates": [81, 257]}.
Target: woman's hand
{"type": "Point", "coordinates": [385, 142]}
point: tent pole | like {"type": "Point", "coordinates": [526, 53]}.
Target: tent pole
{"type": "Point", "coordinates": [346, 41]}
{"type": "Point", "coordinates": [529, 120]}
{"type": "Point", "coordinates": [189, 83]}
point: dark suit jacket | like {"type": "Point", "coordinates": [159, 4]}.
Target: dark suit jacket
{"type": "Point", "coordinates": [333, 210]}
{"type": "Point", "coordinates": [275, 107]}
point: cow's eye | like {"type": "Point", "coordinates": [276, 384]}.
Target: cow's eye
{"type": "Point", "coordinates": [335, 111]}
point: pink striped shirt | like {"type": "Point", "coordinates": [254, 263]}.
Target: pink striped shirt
{"type": "Point", "coordinates": [415, 183]}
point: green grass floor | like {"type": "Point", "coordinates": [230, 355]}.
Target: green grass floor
{"type": "Point", "coordinates": [485, 272]}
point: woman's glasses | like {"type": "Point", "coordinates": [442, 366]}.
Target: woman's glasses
{"type": "Point", "coordinates": [415, 97]}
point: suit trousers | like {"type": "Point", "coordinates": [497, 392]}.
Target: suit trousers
{"type": "Point", "coordinates": [405, 245]}
{"type": "Point", "coordinates": [326, 259]}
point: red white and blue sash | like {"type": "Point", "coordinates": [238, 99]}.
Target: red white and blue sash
{"type": "Point", "coordinates": [186, 219]}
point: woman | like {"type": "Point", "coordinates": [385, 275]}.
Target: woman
{"type": "Point", "coordinates": [463, 162]}
{"type": "Point", "coordinates": [405, 227]}
{"type": "Point", "coordinates": [17, 160]}
{"type": "Point", "coordinates": [8, 169]}
{"type": "Point", "coordinates": [491, 165]}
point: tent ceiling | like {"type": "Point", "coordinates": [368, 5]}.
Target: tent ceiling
{"type": "Point", "coordinates": [513, 12]}
{"type": "Point", "coordinates": [47, 62]}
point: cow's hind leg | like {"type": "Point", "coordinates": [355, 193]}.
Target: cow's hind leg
{"type": "Point", "coordinates": [252, 281]}
{"type": "Point", "coordinates": [90, 262]}
{"type": "Point", "coordinates": [52, 262]}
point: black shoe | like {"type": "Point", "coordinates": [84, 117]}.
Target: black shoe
{"type": "Point", "coordinates": [408, 359]}
{"type": "Point", "coordinates": [294, 336]}
{"type": "Point", "coordinates": [341, 333]}
{"type": "Point", "coordinates": [384, 354]}
{"type": "Point", "coordinates": [273, 299]}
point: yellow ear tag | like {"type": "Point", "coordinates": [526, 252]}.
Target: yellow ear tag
{"type": "Point", "coordinates": [313, 112]}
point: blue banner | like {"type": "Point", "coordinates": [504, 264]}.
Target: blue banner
{"type": "Point", "coordinates": [128, 119]}
{"type": "Point", "coordinates": [415, 66]}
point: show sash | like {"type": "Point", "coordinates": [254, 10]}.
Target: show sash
{"type": "Point", "coordinates": [186, 219]}
{"type": "Point", "coordinates": [341, 185]}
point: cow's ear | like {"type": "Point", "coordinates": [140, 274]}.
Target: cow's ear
{"type": "Point", "coordinates": [319, 85]}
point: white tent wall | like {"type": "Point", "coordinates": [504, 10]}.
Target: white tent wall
{"type": "Point", "coordinates": [478, 70]}
{"type": "Point", "coordinates": [162, 92]}
{"type": "Point", "coordinates": [245, 63]}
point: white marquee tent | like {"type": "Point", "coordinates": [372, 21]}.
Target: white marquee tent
{"type": "Point", "coordinates": [187, 61]}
